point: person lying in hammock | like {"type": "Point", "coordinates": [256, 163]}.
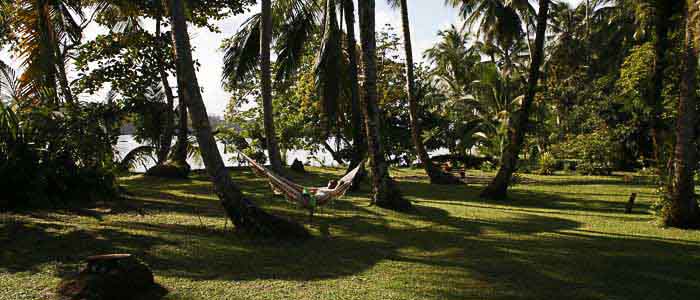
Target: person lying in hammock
{"type": "Point", "coordinates": [308, 197]}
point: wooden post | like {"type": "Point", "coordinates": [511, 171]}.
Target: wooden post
{"type": "Point", "coordinates": [630, 203]}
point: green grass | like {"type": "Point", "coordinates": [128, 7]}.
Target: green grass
{"type": "Point", "coordinates": [564, 237]}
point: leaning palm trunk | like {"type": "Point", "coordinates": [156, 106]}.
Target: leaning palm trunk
{"type": "Point", "coordinates": [386, 193]}
{"type": "Point", "coordinates": [244, 214]}
{"type": "Point", "coordinates": [266, 86]}
{"type": "Point", "coordinates": [359, 145]}
{"type": "Point", "coordinates": [681, 209]}
{"type": "Point", "coordinates": [63, 79]}
{"type": "Point", "coordinates": [518, 123]}
{"type": "Point", "coordinates": [436, 175]}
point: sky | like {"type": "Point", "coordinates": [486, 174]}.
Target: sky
{"type": "Point", "coordinates": [427, 17]}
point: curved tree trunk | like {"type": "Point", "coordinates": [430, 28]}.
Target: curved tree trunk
{"type": "Point", "coordinates": [386, 193]}
{"type": "Point", "coordinates": [682, 208]}
{"type": "Point", "coordinates": [266, 85]}
{"type": "Point", "coordinates": [436, 175]}
{"type": "Point", "coordinates": [167, 138]}
{"type": "Point", "coordinates": [498, 188]}
{"type": "Point", "coordinates": [179, 153]}
{"type": "Point", "coordinates": [244, 214]}
{"type": "Point", "coordinates": [358, 137]}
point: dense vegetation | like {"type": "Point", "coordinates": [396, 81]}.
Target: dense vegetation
{"type": "Point", "coordinates": [538, 92]}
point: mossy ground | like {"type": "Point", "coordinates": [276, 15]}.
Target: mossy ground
{"type": "Point", "coordinates": [564, 237]}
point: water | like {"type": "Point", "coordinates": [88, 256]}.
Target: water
{"type": "Point", "coordinates": [127, 143]}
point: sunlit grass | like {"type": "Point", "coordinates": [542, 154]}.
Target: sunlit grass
{"type": "Point", "coordinates": [561, 237]}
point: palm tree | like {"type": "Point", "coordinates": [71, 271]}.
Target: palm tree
{"type": "Point", "coordinates": [662, 13]}
{"type": "Point", "coordinates": [273, 151]}
{"type": "Point", "coordinates": [681, 210]}
{"type": "Point", "coordinates": [244, 214]}
{"type": "Point", "coordinates": [518, 122]}
{"type": "Point", "coordinates": [434, 173]}
{"type": "Point", "coordinates": [453, 62]}
{"type": "Point", "coordinates": [359, 144]}
{"type": "Point", "coordinates": [386, 193]}
{"type": "Point", "coordinates": [170, 118]}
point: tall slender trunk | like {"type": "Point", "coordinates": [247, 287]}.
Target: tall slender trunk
{"type": "Point", "coordinates": [266, 85]}
{"type": "Point", "coordinates": [386, 193]}
{"type": "Point", "coordinates": [63, 78]}
{"type": "Point", "coordinates": [244, 214]}
{"type": "Point", "coordinates": [662, 18]}
{"type": "Point", "coordinates": [436, 175]}
{"type": "Point", "coordinates": [47, 50]}
{"type": "Point", "coordinates": [179, 153]}
{"type": "Point", "coordinates": [167, 137]}
{"type": "Point", "coordinates": [498, 188]}
{"type": "Point", "coordinates": [682, 208]}
{"type": "Point", "coordinates": [358, 136]}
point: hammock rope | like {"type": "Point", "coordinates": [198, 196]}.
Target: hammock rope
{"type": "Point", "coordinates": [307, 197]}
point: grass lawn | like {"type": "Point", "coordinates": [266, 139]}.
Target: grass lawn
{"type": "Point", "coordinates": [563, 237]}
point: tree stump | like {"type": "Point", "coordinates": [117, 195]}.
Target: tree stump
{"type": "Point", "coordinates": [297, 166]}
{"type": "Point", "coordinates": [111, 277]}
{"type": "Point", "coordinates": [630, 203]}
{"type": "Point", "coordinates": [170, 169]}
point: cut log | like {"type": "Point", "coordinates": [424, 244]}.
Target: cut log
{"type": "Point", "coordinates": [111, 276]}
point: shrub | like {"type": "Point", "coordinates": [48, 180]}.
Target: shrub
{"type": "Point", "coordinates": [50, 158]}
{"type": "Point", "coordinates": [487, 166]}
{"type": "Point", "coordinates": [547, 164]}
{"type": "Point", "coordinates": [596, 152]}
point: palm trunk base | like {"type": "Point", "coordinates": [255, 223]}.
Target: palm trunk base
{"type": "Point", "coordinates": [170, 169]}
{"type": "Point", "coordinates": [681, 216]}
{"type": "Point", "coordinates": [498, 188]}
{"type": "Point", "coordinates": [390, 197]}
{"type": "Point", "coordinates": [252, 220]}
{"type": "Point", "coordinates": [438, 176]}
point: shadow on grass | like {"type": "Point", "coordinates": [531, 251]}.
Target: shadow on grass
{"type": "Point", "coordinates": [524, 256]}
{"type": "Point", "coordinates": [519, 198]}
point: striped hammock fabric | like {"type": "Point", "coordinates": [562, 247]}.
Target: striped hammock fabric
{"type": "Point", "coordinates": [307, 197]}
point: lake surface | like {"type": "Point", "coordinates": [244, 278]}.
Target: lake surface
{"type": "Point", "coordinates": [127, 143]}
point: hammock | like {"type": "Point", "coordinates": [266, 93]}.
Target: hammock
{"type": "Point", "coordinates": [307, 197]}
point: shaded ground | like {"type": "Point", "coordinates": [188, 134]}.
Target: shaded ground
{"type": "Point", "coordinates": [563, 237]}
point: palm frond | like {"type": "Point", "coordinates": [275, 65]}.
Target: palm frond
{"type": "Point", "coordinates": [139, 155]}
{"type": "Point", "coordinates": [328, 65]}
{"type": "Point", "coordinates": [242, 52]}
{"type": "Point", "coordinates": [293, 37]}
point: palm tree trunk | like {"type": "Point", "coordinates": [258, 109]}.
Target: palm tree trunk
{"type": "Point", "coordinates": [47, 50]}
{"type": "Point", "coordinates": [63, 78]}
{"type": "Point", "coordinates": [682, 208]}
{"type": "Point", "coordinates": [167, 138]}
{"type": "Point", "coordinates": [358, 138]}
{"type": "Point", "coordinates": [498, 188]}
{"type": "Point", "coordinates": [436, 175]}
{"type": "Point", "coordinates": [662, 17]}
{"type": "Point", "coordinates": [244, 214]}
{"type": "Point", "coordinates": [179, 153]}
{"type": "Point", "coordinates": [266, 85]}
{"type": "Point", "coordinates": [386, 193]}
